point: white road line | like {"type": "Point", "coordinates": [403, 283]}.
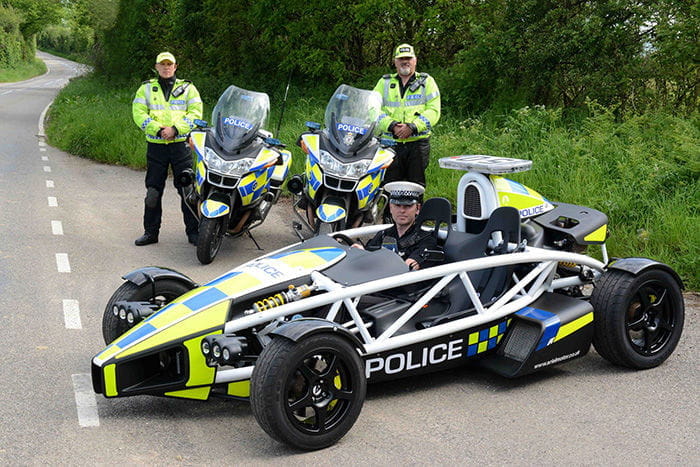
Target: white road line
{"type": "Point", "coordinates": [42, 149]}
{"type": "Point", "coordinates": [62, 263]}
{"type": "Point", "coordinates": [49, 184]}
{"type": "Point", "coordinates": [42, 143]}
{"type": "Point", "coordinates": [57, 227]}
{"type": "Point", "coordinates": [47, 168]}
{"type": "Point", "coordinates": [44, 158]}
{"type": "Point", "coordinates": [53, 202]}
{"type": "Point", "coordinates": [85, 400]}
{"type": "Point", "coordinates": [71, 314]}
{"type": "Point", "coordinates": [6, 92]}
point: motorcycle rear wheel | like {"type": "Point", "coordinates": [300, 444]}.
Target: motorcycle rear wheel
{"type": "Point", "coordinates": [211, 234]}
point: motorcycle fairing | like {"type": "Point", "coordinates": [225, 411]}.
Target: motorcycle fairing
{"type": "Point", "coordinates": [526, 200]}
{"type": "Point", "coordinates": [368, 188]}
{"type": "Point", "coordinates": [198, 139]}
{"type": "Point", "coordinates": [280, 171]}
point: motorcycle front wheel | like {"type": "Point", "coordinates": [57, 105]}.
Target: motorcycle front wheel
{"type": "Point", "coordinates": [211, 234]}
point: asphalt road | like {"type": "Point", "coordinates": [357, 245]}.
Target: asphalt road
{"type": "Point", "coordinates": [67, 227]}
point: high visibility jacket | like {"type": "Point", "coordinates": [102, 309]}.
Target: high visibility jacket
{"type": "Point", "coordinates": [419, 105]}
{"type": "Point", "coordinates": [151, 111]}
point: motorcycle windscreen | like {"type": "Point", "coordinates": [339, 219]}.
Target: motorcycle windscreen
{"type": "Point", "coordinates": [351, 117]}
{"type": "Point", "coordinates": [238, 115]}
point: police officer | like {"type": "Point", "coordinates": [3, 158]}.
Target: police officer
{"type": "Point", "coordinates": [411, 108]}
{"type": "Point", "coordinates": [410, 241]}
{"type": "Point", "coordinates": [165, 109]}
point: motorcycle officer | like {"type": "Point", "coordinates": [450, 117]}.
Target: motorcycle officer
{"type": "Point", "coordinates": [411, 108]}
{"type": "Point", "coordinates": [165, 109]}
{"type": "Point", "coordinates": [404, 237]}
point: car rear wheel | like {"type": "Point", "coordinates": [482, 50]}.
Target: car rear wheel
{"type": "Point", "coordinates": [308, 394]}
{"type": "Point", "coordinates": [166, 290]}
{"type": "Point", "coordinates": [638, 318]}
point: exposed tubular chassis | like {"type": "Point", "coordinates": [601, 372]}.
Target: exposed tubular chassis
{"type": "Point", "coordinates": [525, 290]}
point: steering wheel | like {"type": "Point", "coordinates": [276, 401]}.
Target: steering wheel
{"type": "Point", "coordinates": [342, 238]}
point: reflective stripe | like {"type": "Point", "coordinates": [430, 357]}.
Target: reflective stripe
{"type": "Point", "coordinates": [146, 122]}
{"type": "Point", "coordinates": [392, 104]}
{"type": "Point", "coordinates": [427, 122]}
{"type": "Point", "coordinates": [139, 100]}
{"type": "Point", "coordinates": [195, 100]}
{"type": "Point", "coordinates": [432, 96]}
{"type": "Point", "coordinates": [177, 107]}
{"type": "Point", "coordinates": [415, 102]}
{"type": "Point", "coordinates": [156, 107]}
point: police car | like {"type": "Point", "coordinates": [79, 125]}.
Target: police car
{"type": "Point", "coordinates": [301, 331]}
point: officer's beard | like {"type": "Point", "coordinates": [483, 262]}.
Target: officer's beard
{"type": "Point", "coordinates": [405, 70]}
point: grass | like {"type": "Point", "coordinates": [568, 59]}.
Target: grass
{"type": "Point", "coordinates": [643, 172]}
{"type": "Point", "coordinates": [22, 71]}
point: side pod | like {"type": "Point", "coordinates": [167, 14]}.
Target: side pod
{"type": "Point", "coordinates": [553, 329]}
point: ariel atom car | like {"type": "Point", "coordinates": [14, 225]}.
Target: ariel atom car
{"type": "Point", "coordinates": [301, 331]}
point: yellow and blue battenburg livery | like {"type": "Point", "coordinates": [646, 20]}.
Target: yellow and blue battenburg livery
{"type": "Point", "coordinates": [175, 331]}
{"type": "Point", "coordinates": [238, 172]}
{"type": "Point", "coordinates": [345, 164]}
{"type": "Point", "coordinates": [303, 330]}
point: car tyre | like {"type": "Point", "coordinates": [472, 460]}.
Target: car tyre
{"type": "Point", "coordinates": [308, 394]}
{"type": "Point", "coordinates": [638, 319]}
{"type": "Point", "coordinates": [166, 290]}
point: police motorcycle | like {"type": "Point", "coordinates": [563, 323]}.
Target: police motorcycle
{"type": "Point", "coordinates": [239, 170]}
{"type": "Point", "coordinates": [345, 164]}
{"type": "Point", "coordinates": [301, 331]}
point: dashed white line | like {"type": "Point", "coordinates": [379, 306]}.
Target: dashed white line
{"type": "Point", "coordinates": [85, 400]}
{"type": "Point", "coordinates": [62, 263]}
{"type": "Point", "coordinates": [57, 227]}
{"type": "Point", "coordinates": [42, 143]}
{"type": "Point", "coordinates": [44, 158]}
{"type": "Point", "coordinates": [42, 149]}
{"type": "Point", "coordinates": [47, 168]}
{"type": "Point", "coordinates": [53, 202]}
{"type": "Point", "coordinates": [71, 314]}
{"type": "Point", "coordinates": [49, 184]}
{"type": "Point", "coordinates": [6, 92]}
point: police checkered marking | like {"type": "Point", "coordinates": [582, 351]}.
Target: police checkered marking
{"type": "Point", "coordinates": [486, 339]}
{"type": "Point", "coordinates": [330, 212]}
{"type": "Point", "coordinates": [550, 321]}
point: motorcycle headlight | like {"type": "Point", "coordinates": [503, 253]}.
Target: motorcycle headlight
{"type": "Point", "coordinates": [234, 168]}
{"type": "Point", "coordinates": [333, 166]}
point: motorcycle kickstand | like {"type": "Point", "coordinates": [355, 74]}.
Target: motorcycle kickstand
{"type": "Point", "coordinates": [253, 238]}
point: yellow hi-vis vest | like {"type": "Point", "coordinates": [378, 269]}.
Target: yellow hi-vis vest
{"type": "Point", "coordinates": [420, 104]}
{"type": "Point", "coordinates": [151, 111]}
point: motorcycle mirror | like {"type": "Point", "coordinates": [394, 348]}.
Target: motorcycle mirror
{"type": "Point", "coordinates": [274, 142]}
{"type": "Point", "coordinates": [313, 125]}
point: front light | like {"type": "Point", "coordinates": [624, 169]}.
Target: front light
{"type": "Point", "coordinates": [333, 166]}
{"type": "Point", "coordinates": [205, 347]}
{"type": "Point", "coordinates": [234, 168]}
{"type": "Point", "coordinates": [130, 317]}
{"type": "Point", "coordinates": [122, 313]}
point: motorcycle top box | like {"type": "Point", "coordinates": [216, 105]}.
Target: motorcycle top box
{"type": "Point", "coordinates": [299, 332]}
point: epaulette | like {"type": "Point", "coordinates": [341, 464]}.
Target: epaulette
{"type": "Point", "coordinates": [387, 76]}
{"type": "Point", "coordinates": [150, 80]}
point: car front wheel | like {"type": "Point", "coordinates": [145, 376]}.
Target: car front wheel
{"type": "Point", "coordinates": [308, 394]}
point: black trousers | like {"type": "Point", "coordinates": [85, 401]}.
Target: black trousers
{"type": "Point", "coordinates": [410, 162]}
{"type": "Point", "coordinates": [158, 158]}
